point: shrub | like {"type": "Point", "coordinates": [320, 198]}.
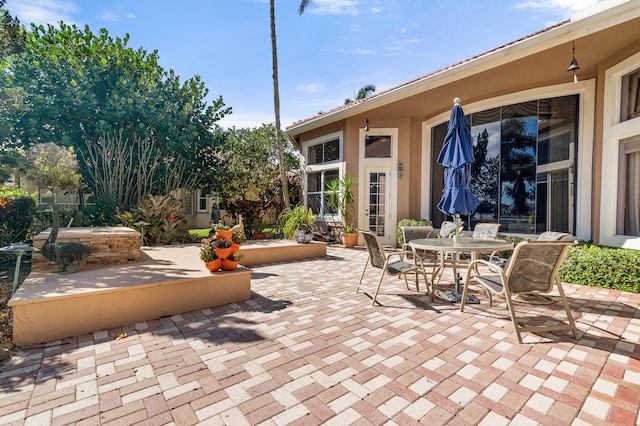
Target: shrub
{"type": "Point", "coordinates": [410, 222]}
{"type": "Point", "coordinates": [17, 212]}
{"type": "Point", "coordinates": [605, 267]}
{"type": "Point", "coordinates": [163, 214]}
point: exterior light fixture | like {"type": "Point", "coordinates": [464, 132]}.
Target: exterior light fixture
{"type": "Point", "coordinates": [366, 130]}
{"type": "Point", "coordinates": [400, 169]}
{"type": "Point", "coordinates": [573, 66]}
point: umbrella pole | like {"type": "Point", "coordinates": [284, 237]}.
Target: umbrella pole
{"type": "Point", "coordinates": [457, 221]}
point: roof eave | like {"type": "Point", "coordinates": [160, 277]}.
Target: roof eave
{"type": "Point", "coordinates": [579, 26]}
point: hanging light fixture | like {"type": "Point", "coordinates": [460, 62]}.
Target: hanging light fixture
{"type": "Point", "coordinates": [573, 66]}
{"type": "Point", "coordinates": [366, 130]}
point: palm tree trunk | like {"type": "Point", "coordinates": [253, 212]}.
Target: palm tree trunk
{"type": "Point", "coordinates": [276, 106]}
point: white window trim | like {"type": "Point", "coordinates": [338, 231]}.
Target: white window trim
{"type": "Point", "coordinates": [613, 132]}
{"type": "Point", "coordinates": [314, 168]}
{"type": "Point", "coordinates": [200, 195]}
{"type": "Point", "coordinates": [391, 163]}
{"type": "Point", "coordinates": [587, 91]}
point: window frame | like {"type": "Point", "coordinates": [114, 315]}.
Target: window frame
{"type": "Point", "coordinates": [321, 168]}
{"type": "Point", "coordinates": [586, 89]}
{"type": "Point", "coordinates": [200, 196]}
{"type": "Point", "coordinates": [615, 131]}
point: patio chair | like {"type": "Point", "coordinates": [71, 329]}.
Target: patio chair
{"type": "Point", "coordinates": [447, 228]}
{"type": "Point", "coordinates": [486, 231]}
{"type": "Point", "coordinates": [429, 258]}
{"type": "Point", "coordinates": [532, 269]}
{"type": "Point", "coordinates": [389, 265]}
{"type": "Point", "coordinates": [555, 236]}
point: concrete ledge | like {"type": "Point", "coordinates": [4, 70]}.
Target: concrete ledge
{"type": "Point", "coordinates": [168, 281]}
{"type": "Point", "coordinates": [258, 252]}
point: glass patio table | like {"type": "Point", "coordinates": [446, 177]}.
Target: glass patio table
{"type": "Point", "coordinates": [461, 245]}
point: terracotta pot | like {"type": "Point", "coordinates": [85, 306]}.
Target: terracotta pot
{"type": "Point", "coordinates": [224, 234]}
{"type": "Point", "coordinates": [223, 252]}
{"type": "Point", "coordinates": [258, 236]}
{"type": "Point", "coordinates": [234, 248]}
{"type": "Point", "coordinates": [214, 265]}
{"type": "Point", "coordinates": [229, 265]}
{"type": "Point", "coordinates": [349, 240]}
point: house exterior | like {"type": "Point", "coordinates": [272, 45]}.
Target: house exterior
{"type": "Point", "coordinates": [552, 153]}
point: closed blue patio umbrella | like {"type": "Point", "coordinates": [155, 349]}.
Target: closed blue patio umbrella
{"type": "Point", "coordinates": [457, 156]}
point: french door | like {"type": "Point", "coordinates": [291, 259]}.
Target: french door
{"type": "Point", "coordinates": [378, 207]}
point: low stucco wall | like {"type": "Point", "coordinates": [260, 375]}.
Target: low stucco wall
{"type": "Point", "coordinates": [258, 252]}
{"type": "Point", "coordinates": [169, 281]}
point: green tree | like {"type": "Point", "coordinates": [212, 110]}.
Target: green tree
{"type": "Point", "coordinates": [79, 85]}
{"type": "Point", "coordinates": [12, 34]}
{"type": "Point", "coordinates": [363, 93]}
{"type": "Point", "coordinates": [53, 167]}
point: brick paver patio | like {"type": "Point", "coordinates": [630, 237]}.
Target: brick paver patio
{"type": "Point", "coordinates": [307, 350]}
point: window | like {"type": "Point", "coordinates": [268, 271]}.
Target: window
{"type": "Point", "coordinates": [323, 165]}
{"type": "Point", "coordinates": [630, 96]}
{"type": "Point", "coordinates": [324, 152]}
{"type": "Point", "coordinates": [629, 187]}
{"type": "Point", "coordinates": [619, 208]}
{"type": "Point", "coordinates": [523, 169]}
{"type": "Point", "coordinates": [202, 201]}
{"type": "Point", "coordinates": [377, 147]}
{"type": "Point", "coordinates": [316, 198]}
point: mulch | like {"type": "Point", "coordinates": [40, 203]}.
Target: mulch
{"type": "Point", "coordinates": [7, 270]}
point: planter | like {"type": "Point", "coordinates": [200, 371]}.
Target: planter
{"type": "Point", "coordinates": [349, 240]}
{"type": "Point", "coordinates": [456, 240]}
{"type": "Point", "coordinates": [214, 265]}
{"type": "Point", "coordinates": [223, 252]}
{"type": "Point", "coordinates": [229, 265]}
{"type": "Point", "coordinates": [234, 248]}
{"type": "Point", "coordinates": [224, 234]}
{"type": "Point", "coordinates": [303, 236]}
{"type": "Point", "coordinates": [258, 236]}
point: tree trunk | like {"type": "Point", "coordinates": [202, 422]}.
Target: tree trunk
{"type": "Point", "coordinates": [276, 106]}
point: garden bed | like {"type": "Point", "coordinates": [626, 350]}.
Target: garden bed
{"type": "Point", "coordinates": [113, 245]}
{"type": "Point", "coordinates": [169, 280]}
{"type": "Point", "coordinates": [258, 252]}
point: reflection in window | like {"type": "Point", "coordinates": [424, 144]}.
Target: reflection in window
{"type": "Point", "coordinates": [324, 152]}
{"type": "Point", "coordinates": [316, 186]}
{"type": "Point", "coordinates": [630, 186]}
{"type": "Point", "coordinates": [630, 99]}
{"type": "Point", "coordinates": [377, 147]}
{"type": "Point", "coordinates": [509, 144]}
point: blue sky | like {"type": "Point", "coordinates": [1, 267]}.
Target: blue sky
{"type": "Point", "coordinates": [324, 55]}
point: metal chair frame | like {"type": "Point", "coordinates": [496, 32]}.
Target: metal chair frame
{"type": "Point", "coordinates": [378, 258]}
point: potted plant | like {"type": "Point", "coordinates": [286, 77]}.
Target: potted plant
{"type": "Point", "coordinates": [341, 197]}
{"type": "Point", "coordinates": [215, 251]}
{"type": "Point", "coordinates": [297, 222]}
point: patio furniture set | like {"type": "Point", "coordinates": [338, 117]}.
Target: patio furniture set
{"type": "Point", "coordinates": [530, 273]}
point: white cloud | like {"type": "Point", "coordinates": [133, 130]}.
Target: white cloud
{"type": "Point", "coordinates": [116, 17]}
{"type": "Point", "coordinates": [248, 119]}
{"type": "Point", "coordinates": [560, 7]}
{"type": "Point", "coordinates": [311, 88]}
{"type": "Point", "coordinates": [111, 16]}
{"type": "Point", "coordinates": [41, 12]}
{"type": "Point", "coordinates": [334, 7]}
